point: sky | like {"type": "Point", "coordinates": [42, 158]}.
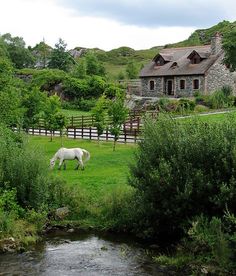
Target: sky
{"type": "Point", "coordinates": [109, 24]}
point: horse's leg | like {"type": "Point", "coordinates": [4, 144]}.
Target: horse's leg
{"type": "Point", "coordinates": [64, 163]}
{"type": "Point", "coordinates": [60, 163]}
{"type": "Point", "coordinates": [81, 163]}
{"type": "Point", "coordinates": [77, 166]}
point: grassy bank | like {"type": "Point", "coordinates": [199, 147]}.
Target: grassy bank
{"type": "Point", "coordinates": [103, 182]}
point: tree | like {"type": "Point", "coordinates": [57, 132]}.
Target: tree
{"type": "Point", "coordinates": [42, 53]}
{"type": "Point", "coordinates": [229, 47]}
{"type": "Point", "coordinates": [93, 66]}
{"type": "Point", "coordinates": [11, 112]}
{"type": "Point", "coordinates": [54, 119]}
{"type": "Point", "coordinates": [181, 171]}
{"type": "Point", "coordinates": [20, 56]}
{"type": "Point", "coordinates": [34, 102]}
{"type": "Point", "coordinates": [60, 58]}
{"type": "Point", "coordinates": [99, 112]}
{"type": "Point", "coordinates": [131, 70]}
{"type": "Point", "coordinates": [117, 113]}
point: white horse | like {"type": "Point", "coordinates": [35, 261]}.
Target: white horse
{"type": "Point", "coordinates": [70, 154]}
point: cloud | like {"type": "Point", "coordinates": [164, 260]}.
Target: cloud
{"type": "Point", "coordinates": [153, 13]}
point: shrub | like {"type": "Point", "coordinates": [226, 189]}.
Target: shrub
{"type": "Point", "coordinates": [185, 105]}
{"type": "Point", "coordinates": [183, 170]}
{"type": "Point", "coordinates": [210, 241]}
{"type": "Point", "coordinates": [221, 98]}
{"type": "Point", "coordinates": [201, 108]}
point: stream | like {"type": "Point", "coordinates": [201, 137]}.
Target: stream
{"type": "Point", "coordinates": [82, 254]}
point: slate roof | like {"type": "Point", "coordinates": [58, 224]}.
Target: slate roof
{"type": "Point", "coordinates": [184, 65]}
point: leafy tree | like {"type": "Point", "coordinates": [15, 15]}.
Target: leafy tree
{"type": "Point", "coordinates": [229, 47]}
{"type": "Point", "coordinates": [93, 66]}
{"type": "Point", "coordinates": [42, 53]}
{"type": "Point", "coordinates": [183, 170]}
{"type": "Point", "coordinates": [99, 112]}
{"type": "Point", "coordinates": [33, 102]}
{"type": "Point", "coordinates": [79, 70]}
{"type": "Point", "coordinates": [117, 113]}
{"type": "Point", "coordinates": [60, 58]}
{"type": "Point", "coordinates": [96, 86]}
{"type": "Point", "coordinates": [53, 118]}
{"type": "Point", "coordinates": [132, 70]}
{"type": "Point", "coordinates": [20, 56]}
{"type": "Point", "coordinates": [10, 97]}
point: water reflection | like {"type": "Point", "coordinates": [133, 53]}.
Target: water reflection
{"type": "Point", "coordinates": [83, 254]}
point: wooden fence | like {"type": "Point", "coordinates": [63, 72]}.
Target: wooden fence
{"type": "Point", "coordinates": [82, 127]}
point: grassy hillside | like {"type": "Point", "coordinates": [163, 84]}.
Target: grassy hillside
{"type": "Point", "coordinates": [203, 36]}
{"type": "Point", "coordinates": [116, 60]}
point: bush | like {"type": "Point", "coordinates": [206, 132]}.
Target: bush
{"type": "Point", "coordinates": [165, 104]}
{"type": "Point", "coordinates": [209, 240]}
{"type": "Point", "coordinates": [185, 105]}
{"type": "Point", "coordinates": [23, 169]}
{"type": "Point", "coordinates": [201, 108]}
{"type": "Point", "coordinates": [221, 98]}
{"type": "Point", "coordinates": [183, 169]}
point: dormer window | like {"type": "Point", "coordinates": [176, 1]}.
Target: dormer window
{"type": "Point", "coordinates": [196, 58]}
{"type": "Point", "coordinates": [161, 59]}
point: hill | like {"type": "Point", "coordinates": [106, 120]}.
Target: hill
{"type": "Point", "coordinates": [116, 60]}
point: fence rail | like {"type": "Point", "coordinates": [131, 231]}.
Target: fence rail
{"type": "Point", "coordinates": [89, 133]}
{"type": "Point", "coordinates": [83, 127]}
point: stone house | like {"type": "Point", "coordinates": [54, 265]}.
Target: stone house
{"type": "Point", "coordinates": [179, 72]}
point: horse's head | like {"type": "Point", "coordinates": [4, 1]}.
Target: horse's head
{"type": "Point", "coordinates": [52, 163]}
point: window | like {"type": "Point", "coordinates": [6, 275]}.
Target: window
{"type": "Point", "coordinates": [196, 84]}
{"type": "Point", "coordinates": [182, 84]}
{"type": "Point", "coordinates": [151, 85]}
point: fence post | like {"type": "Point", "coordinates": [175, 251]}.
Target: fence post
{"type": "Point", "coordinates": [74, 133]}
{"type": "Point", "coordinates": [72, 121]}
{"type": "Point", "coordinates": [82, 131]}
{"type": "Point", "coordinates": [90, 133]}
{"type": "Point", "coordinates": [107, 134]}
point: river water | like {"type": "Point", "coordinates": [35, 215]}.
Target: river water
{"type": "Point", "coordinates": [82, 254]}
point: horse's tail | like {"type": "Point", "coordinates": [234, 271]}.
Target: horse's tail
{"type": "Point", "coordinates": [87, 155]}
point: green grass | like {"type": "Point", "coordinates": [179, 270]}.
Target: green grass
{"type": "Point", "coordinates": [72, 112]}
{"type": "Point", "coordinates": [213, 117]}
{"type": "Point", "coordinates": [104, 177]}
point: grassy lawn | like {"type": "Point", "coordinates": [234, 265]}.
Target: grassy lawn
{"type": "Point", "coordinates": [212, 117]}
{"type": "Point", "coordinates": [72, 112]}
{"type": "Point", "coordinates": [105, 170]}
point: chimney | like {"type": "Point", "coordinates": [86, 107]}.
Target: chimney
{"type": "Point", "coordinates": [216, 44]}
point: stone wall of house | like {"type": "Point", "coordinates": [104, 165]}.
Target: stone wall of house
{"type": "Point", "coordinates": [188, 91]}
{"type": "Point", "coordinates": [219, 76]}
{"type": "Point", "coordinates": [158, 87]}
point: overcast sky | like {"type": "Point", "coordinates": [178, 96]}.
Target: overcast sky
{"type": "Point", "coordinates": [109, 24]}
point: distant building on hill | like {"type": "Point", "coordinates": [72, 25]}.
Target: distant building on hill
{"type": "Point", "coordinates": [179, 72]}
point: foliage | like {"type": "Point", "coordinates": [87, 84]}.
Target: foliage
{"type": "Point", "coordinates": [99, 112]}
{"type": "Point", "coordinates": [132, 70]}
{"type": "Point", "coordinates": [60, 58]}
{"type": "Point", "coordinates": [230, 49]}
{"type": "Point", "coordinates": [179, 164]}
{"type": "Point", "coordinates": [221, 98]}
{"type": "Point", "coordinates": [47, 79]}
{"type": "Point", "coordinates": [117, 113]}
{"type": "Point", "coordinates": [209, 238]}
{"type": "Point", "coordinates": [33, 103]}
{"type": "Point", "coordinates": [93, 66]}
{"type": "Point", "coordinates": [20, 56]}
{"type": "Point", "coordinates": [53, 118]}
{"type": "Point", "coordinates": [41, 52]}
